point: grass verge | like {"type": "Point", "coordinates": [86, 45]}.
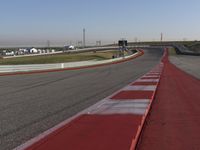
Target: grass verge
{"type": "Point", "coordinates": [59, 58]}
{"type": "Point", "coordinates": [172, 52]}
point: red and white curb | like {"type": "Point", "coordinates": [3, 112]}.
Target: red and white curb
{"type": "Point", "coordinates": [113, 123]}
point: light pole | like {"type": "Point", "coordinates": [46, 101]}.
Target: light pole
{"type": "Point", "coordinates": [83, 37]}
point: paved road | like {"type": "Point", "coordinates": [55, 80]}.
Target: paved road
{"type": "Point", "coordinates": [190, 64]}
{"type": "Point", "coordinates": [31, 104]}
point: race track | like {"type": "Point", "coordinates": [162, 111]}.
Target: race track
{"type": "Point", "coordinates": [174, 119]}
{"type": "Point", "coordinates": [31, 104]}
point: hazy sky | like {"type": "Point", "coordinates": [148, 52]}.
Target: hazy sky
{"type": "Point", "coordinates": [33, 22]}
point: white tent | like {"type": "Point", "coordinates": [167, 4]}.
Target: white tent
{"type": "Point", "coordinates": [33, 50]}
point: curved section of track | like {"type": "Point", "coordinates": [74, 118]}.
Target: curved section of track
{"type": "Point", "coordinates": [174, 120]}
{"type": "Point", "coordinates": [31, 104]}
{"type": "Point", "coordinates": [45, 68]}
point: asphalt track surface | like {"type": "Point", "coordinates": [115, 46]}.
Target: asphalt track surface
{"type": "Point", "coordinates": [31, 104]}
{"type": "Point", "coordinates": [190, 64]}
{"type": "Point", "coordinates": [174, 121]}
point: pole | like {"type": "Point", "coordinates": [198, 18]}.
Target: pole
{"type": "Point", "coordinates": [83, 37]}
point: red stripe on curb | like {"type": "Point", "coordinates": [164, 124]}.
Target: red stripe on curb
{"type": "Point", "coordinates": [150, 78]}
{"type": "Point", "coordinates": [93, 132]}
{"type": "Point", "coordinates": [133, 95]}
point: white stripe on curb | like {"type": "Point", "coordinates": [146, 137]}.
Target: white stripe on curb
{"type": "Point", "coordinates": [151, 76]}
{"type": "Point", "coordinates": [140, 88]}
{"type": "Point", "coordinates": [122, 107]}
{"type": "Point", "coordinates": [148, 80]}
